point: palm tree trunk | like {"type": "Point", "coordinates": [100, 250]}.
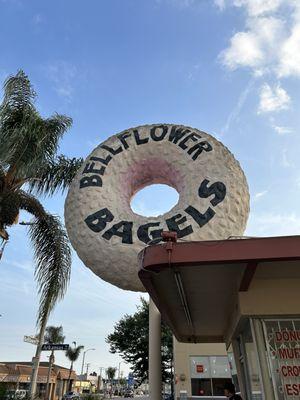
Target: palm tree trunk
{"type": "Point", "coordinates": [51, 361]}
{"type": "Point", "coordinates": [36, 360]}
{"type": "Point", "coordinates": [69, 379]}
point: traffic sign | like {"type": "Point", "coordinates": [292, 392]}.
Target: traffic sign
{"type": "Point", "coordinates": [31, 339]}
{"type": "Point", "coordinates": [130, 379]}
{"type": "Point", "coordinates": [50, 347]}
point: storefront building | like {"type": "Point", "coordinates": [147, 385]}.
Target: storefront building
{"type": "Point", "coordinates": [202, 369]}
{"type": "Point", "coordinates": [239, 296]}
{"type": "Point", "coordinates": [17, 375]}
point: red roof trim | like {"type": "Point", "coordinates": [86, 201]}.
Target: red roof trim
{"type": "Point", "coordinates": [155, 257]}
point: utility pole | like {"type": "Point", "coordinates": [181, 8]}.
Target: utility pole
{"type": "Point", "coordinates": [100, 377]}
{"type": "Point", "coordinates": [119, 386]}
{"type": "Point", "coordinates": [83, 358]}
{"type": "Point", "coordinates": [87, 369]}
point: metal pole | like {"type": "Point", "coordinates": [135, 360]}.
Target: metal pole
{"type": "Point", "coordinates": [259, 342]}
{"type": "Point", "coordinates": [83, 359]}
{"type": "Point", "coordinates": [119, 376]}
{"type": "Point", "coordinates": [155, 375]}
{"type": "Point", "coordinates": [82, 366]}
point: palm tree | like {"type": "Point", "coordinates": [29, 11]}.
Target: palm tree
{"type": "Point", "coordinates": [53, 335]}
{"type": "Point", "coordinates": [72, 354]}
{"type": "Point", "coordinates": [29, 166]}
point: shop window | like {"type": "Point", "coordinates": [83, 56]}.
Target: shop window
{"type": "Point", "coordinates": [283, 343]}
{"type": "Point", "coordinates": [218, 385]}
{"type": "Point", "coordinates": [201, 387]}
{"type": "Point", "coordinates": [209, 374]}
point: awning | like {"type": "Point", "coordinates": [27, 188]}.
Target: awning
{"type": "Point", "coordinates": [195, 284]}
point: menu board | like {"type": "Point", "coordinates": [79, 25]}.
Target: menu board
{"type": "Point", "coordinates": [283, 346]}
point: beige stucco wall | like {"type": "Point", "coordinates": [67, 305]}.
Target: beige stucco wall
{"type": "Point", "coordinates": [271, 297]}
{"type": "Point", "coordinates": [182, 352]}
{"type": "Point", "coordinates": [265, 298]}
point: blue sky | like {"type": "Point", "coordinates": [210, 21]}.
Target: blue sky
{"type": "Point", "coordinates": [229, 67]}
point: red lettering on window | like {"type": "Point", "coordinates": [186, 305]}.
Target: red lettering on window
{"type": "Point", "coordinates": [288, 389]}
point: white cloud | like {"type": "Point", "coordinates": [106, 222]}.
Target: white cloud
{"type": "Point", "coordinates": [273, 99]}
{"type": "Point", "coordinates": [244, 51]}
{"type": "Point", "coordinates": [273, 224]}
{"type": "Point", "coordinates": [233, 116]}
{"type": "Point", "coordinates": [268, 45]}
{"type": "Point", "coordinates": [289, 54]}
{"type": "Point", "coordinates": [140, 208]}
{"type": "Point", "coordinates": [220, 4]}
{"type": "Point", "coordinates": [285, 162]}
{"type": "Point", "coordinates": [258, 7]}
{"type": "Point", "coordinates": [62, 74]}
{"type": "Point", "coordinates": [283, 130]}
{"type": "Point", "coordinates": [259, 195]}
{"type": "Point", "coordinates": [256, 47]}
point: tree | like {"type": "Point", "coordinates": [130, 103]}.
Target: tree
{"type": "Point", "coordinates": [130, 339]}
{"type": "Point", "coordinates": [72, 354]}
{"type": "Point", "coordinates": [111, 373]}
{"type": "Point", "coordinates": [29, 166]}
{"type": "Point", "coordinates": [53, 335]}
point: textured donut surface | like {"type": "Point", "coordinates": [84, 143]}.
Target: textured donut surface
{"type": "Point", "coordinates": [107, 235]}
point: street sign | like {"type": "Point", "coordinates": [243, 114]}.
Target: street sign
{"type": "Point", "coordinates": [50, 347]}
{"type": "Point", "coordinates": [130, 379]}
{"type": "Point", "coordinates": [31, 339]}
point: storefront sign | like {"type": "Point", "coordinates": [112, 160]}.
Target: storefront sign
{"type": "Point", "coordinates": [200, 368]}
{"type": "Point", "coordinates": [107, 235]}
{"type": "Point", "coordinates": [284, 354]}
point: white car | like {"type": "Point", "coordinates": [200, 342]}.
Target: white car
{"type": "Point", "coordinates": [71, 396]}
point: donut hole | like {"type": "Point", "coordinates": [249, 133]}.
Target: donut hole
{"type": "Point", "coordinates": [154, 200]}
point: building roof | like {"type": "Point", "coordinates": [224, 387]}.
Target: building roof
{"type": "Point", "coordinates": [15, 371]}
{"type": "Point", "coordinates": [195, 284]}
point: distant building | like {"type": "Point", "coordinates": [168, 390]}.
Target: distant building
{"type": "Point", "coordinates": [87, 383]}
{"type": "Point", "coordinates": [17, 375]}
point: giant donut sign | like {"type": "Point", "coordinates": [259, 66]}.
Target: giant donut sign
{"type": "Point", "coordinates": [108, 235]}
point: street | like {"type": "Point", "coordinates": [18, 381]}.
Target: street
{"type": "Point", "coordinates": [135, 397]}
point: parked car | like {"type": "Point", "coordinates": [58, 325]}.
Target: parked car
{"type": "Point", "coordinates": [128, 393]}
{"type": "Point", "coordinates": [71, 396]}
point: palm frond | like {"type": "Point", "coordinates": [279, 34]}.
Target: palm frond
{"type": "Point", "coordinates": [18, 91]}
{"type": "Point", "coordinates": [53, 262]}
{"type": "Point", "coordinates": [72, 353]}
{"type": "Point", "coordinates": [30, 204]}
{"type": "Point", "coordinates": [56, 175]}
{"type": "Point", "coordinates": [54, 127]}
{"type": "Point", "coordinates": [54, 334]}
{"type": "Point", "coordinates": [53, 259]}
{"type": "Point", "coordinates": [27, 140]}
{"type": "Point", "coordinates": [111, 372]}
{"type": "Point", "coordinates": [17, 103]}
{"type": "Point", "coordinates": [36, 143]}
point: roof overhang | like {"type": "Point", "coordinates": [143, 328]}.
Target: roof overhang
{"type": "Point", "coordinates": [195, 284]}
